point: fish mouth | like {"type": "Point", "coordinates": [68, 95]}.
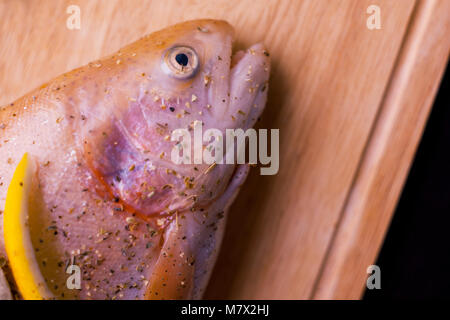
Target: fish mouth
{"type": "Point", "coordinates": [236, 56]}
{"type": "Point", "coordinates": [254, 62]}
{"type": "Point", "coordinates": [249, 77]}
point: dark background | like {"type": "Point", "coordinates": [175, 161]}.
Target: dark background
{"type": "Point", "coordinates": [415, 257]}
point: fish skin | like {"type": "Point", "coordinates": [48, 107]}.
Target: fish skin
{"type": "Point", "coordinates": [5, 292]}
{"type": "Point", "coordinates": [97, 137]}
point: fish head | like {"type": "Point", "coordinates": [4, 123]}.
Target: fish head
{"type": "Point", "coordinates": [173, 79]}
{"type": "Point", "coordinates": [191, 68]}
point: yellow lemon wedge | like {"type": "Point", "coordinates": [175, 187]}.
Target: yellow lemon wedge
{"type": "Point", "coordinates": [19, 248]}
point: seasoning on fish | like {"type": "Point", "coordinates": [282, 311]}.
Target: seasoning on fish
{"type": "Point", "coordinates": [105, 195]}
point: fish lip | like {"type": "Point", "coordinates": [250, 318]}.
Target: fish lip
{"type": "Point", "coordinates": [238, 55]}
{"type": "Point", "coordinates": [250, 71]}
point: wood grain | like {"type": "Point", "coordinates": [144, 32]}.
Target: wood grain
{"type": "Point", "coordinates": [332, 81]}
{"type": "Point", "coordinates": [390, 148]}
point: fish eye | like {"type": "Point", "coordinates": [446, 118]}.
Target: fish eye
{"type": "Point", "coordinates": [182, 59]}
{"type": "Point", "coordinates": [180, 62]}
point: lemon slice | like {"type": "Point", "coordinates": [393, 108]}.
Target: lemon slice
{"type": "Point", "coordinates": [19, 248]}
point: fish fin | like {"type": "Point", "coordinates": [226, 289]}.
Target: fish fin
{"type": "Point", "coordinates": [173, 273]}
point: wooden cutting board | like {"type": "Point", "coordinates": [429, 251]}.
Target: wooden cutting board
{"type": "Point", "coordinates": [350, 102]}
